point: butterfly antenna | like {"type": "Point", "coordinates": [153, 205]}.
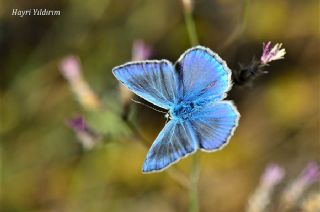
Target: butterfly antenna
{"type": "Point", "coordinates": [147, 106]}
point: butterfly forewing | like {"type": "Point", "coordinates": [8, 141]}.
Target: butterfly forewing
{"type": "Point", "coordinates": [155, 81]}
{"type": "Point", "coordinates": [203, 75]}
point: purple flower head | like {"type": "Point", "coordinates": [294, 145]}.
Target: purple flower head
{"type": "Point", "coordinates": [70, 67]}
{"type": "Point", "coordinates": [310, 174]}
{"type": "Point", "coordinates": [272, 175]}
{"type": "Point", "coordinates": [78, 124]}
{"type": "Point", "coordinates": [141, 50]}
{"type": "Point", "coordinates": [86, 136]}
{"type": "Point", "coordinates": [268, 54]}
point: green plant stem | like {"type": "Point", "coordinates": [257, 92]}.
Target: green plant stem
{"type": "Point", "coordinates": [193, 190]}
{"type": "Point", "coordinates": [191, 27]}
{"type": "Point", "coordinates": [194, 175]}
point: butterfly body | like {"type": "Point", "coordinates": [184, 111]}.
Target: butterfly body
{"type": "Point", "coordinates": [184, 110]}
{"type": "Point", "coordinates": [192, 91]}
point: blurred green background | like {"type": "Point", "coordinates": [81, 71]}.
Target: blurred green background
{"type": "Point", "coordinates": [43, 167]}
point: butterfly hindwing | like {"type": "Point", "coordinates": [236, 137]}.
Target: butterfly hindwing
{"type": "Point", "coordinates": [176, 140]}
{"type": "Point", "coordinates": [153, 80]}
{"type": "Point", "coordinates": [214, 124]}
{"type": "Point", "coordinates": [203, 74]}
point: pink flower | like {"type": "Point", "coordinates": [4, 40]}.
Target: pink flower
{"type": "Point", "coordinates": [310, 174]}
{"type": "Point", "coordinates": [296, 189]}
{"type": "Point", "coordinates": [272, 175]}
{"type": "Point", "coordinates": [268, 54]}
{"type": "Point", "coordinates": [140, 50]}
{"type": "Point", "coordinates": [261, 198]}
{"type": "Point", "coordinates": [70, 67]}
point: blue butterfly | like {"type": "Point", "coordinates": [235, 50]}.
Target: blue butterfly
{"type": "Point", "coordinates": [192, 91]}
